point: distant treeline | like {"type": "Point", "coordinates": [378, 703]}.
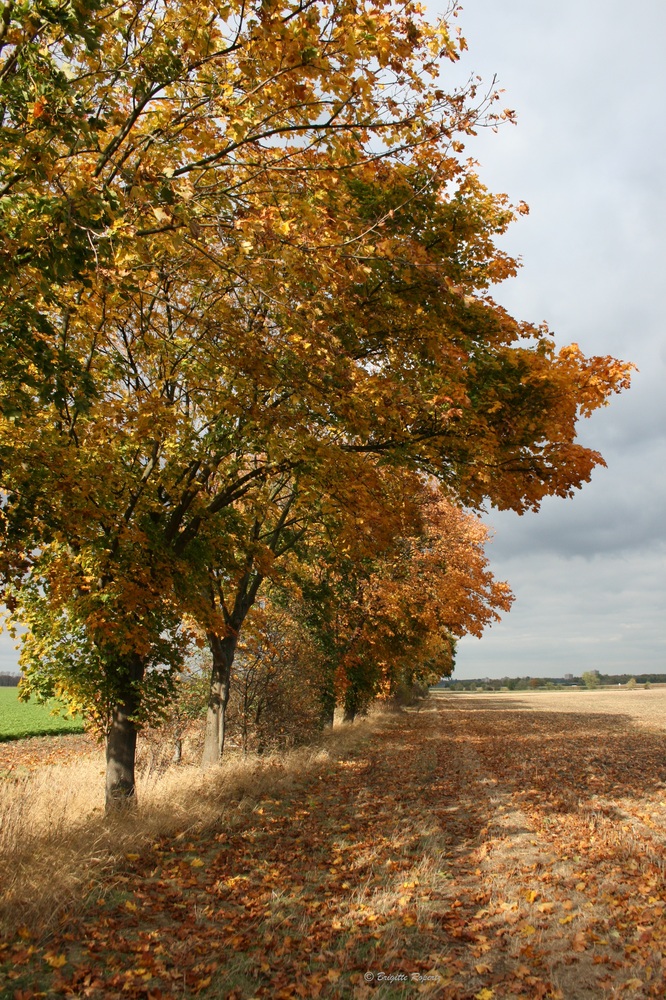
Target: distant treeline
{"type": "Point", "coordinates": [9, 680]}
{"type": "Point", "coordinates": [531, 683]}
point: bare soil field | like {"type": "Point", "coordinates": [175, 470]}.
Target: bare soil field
{"type": "Point", "coordinates": [481, 848]}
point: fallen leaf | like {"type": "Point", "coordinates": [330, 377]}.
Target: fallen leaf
{"type": "Point", "coordinates": [579, 942]}
{"type": "Point", "coordinates": [55, 961]}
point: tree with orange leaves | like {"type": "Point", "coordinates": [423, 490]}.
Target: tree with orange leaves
{"type": "Point", "coordinates": [391, 617]}
{"type": "Point", "coordinates": [249, 267]}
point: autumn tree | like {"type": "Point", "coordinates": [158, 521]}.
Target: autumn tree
{"type": "Point", "coordinates": [390, 618]}
{"type": "Point", "coordinates": [247, 265]}
{"type": "Point", "coordinates": [145, 127]}
{"type": "Point", "coordinates": [348, 497]}
{"type": "Point", "coordinates": [271, 522]}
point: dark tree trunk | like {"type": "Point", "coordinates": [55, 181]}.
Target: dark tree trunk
{"type": "Point", "coordinates": [223, 651]}
{"type": "Point", "coordinates": [351, 704]}
{"type": "Point", "coordinates": [121, 744]}
{"type": "Point", "coordinates": [120, 759]}
{"type": "Point", "coordinates": [328, 702]}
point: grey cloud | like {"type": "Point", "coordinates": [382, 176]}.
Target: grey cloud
{"type": "Point", "coordinates": [589, 156]}
{"type": "Point", "coordinates": [575, 615]}
{"type": "Point", "coordinates": [634, 424]}
{"type": "Point", "coordinates": [586, 526]}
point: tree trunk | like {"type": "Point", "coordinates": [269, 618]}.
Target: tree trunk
{"type": "Point", "coordinates": [351, 704]}
{"type": "Point", "coordinates": [328, 702]}
{"type": "Point", "coordinates": [223, 651]}
{"type": "Point", "coordinates": [121, 744]}
{"type": "Point", "coordinates": [120, 758]}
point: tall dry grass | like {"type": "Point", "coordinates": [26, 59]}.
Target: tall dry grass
{"type": "Point", "coordinates": [57, 848]}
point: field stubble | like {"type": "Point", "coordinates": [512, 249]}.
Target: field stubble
{"type": "Point", "coordinates": [642, 706]}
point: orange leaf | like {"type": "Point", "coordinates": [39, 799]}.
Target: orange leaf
{"type": "Point", "coordinates": [55, 961]}
{"type": "Point", "coordinates": [579, 942]}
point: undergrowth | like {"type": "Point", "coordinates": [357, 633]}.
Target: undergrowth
{"type": "Point", "coordinates": [57, 847]}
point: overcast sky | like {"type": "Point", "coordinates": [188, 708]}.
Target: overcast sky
{"type": "Point", "coordinates": [587, 79]}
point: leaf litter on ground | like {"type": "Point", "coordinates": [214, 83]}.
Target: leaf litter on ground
{"type": "Point", "coordinates": [458, 852]}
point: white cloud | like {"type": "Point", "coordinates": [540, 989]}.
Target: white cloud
{"type": "Point", "coordinates": [8, 655]}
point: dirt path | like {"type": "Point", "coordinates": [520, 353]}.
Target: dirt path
{"type": "Point", "coordinates": [465, 851]}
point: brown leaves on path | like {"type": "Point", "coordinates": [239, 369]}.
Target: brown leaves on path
{"type": "Point", "coordinates": [459, 853]}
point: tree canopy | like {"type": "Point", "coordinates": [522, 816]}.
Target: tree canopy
{"type": "Point", "coordinates": [247, 274]}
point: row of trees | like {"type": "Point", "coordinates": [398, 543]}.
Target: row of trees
{"type": "Point", "coordinates": [247, 336]}
{"type": "Point", "coordinates": [589, 679]}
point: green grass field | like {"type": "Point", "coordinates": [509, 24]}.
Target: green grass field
{"type": "Point", "coordinates": [19, 719]}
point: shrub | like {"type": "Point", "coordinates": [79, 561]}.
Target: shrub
{"type": "Point", "coordinates": [407, 695]}
{"type": "Point", "coordinates": [275, 700]}
{"type": "Point", "coordinates": [183, 723]}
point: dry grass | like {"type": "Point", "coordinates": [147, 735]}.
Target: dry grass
{"type": "Point", "coordinates": [57, 847]}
